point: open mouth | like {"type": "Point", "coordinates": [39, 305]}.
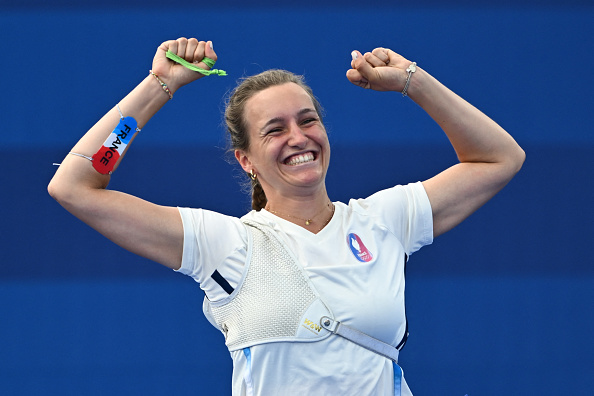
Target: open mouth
{"type": "Point", "coordinates": [300, 159]}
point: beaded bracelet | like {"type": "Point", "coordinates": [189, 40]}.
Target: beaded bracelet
{"type": "Point", "coordinates": [163, 85]}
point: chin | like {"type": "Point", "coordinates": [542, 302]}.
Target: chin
{"type": "Point", "coordinates": [312, 180]}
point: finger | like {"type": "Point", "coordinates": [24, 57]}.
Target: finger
{"type": "Point", "coordinates": [356, 78]}
{"type": "Point", "coordinates": [191, 49]}
{"type": "Point", "coordinates": [382, 54]}
{"type": "Point", "coordinates": [171, 45]}
{"type": "Point", "coordinates": [182, 43]}
{"type": "Point", "coordinates": [353, 75]}
{"type": "Point", "coordinates": [362, 66]}
{"type": "Point", "coordinates": [160, 55]}
{"type": "Point", "coordinates": [373, 60]}
{"type": "Point", "coordinates": [355, 55]}
{"type": "Point", "coordinates": [395, 59]}
{"type": "Point", "coordinates": [209, 51]}
{"type": "Point", "coordinates": [199, 52]}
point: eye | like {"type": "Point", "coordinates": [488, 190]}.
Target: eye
{"type": "Point", "coordinates": [308, 121]}
{"type": "Point", "coordinates": [274, 130]}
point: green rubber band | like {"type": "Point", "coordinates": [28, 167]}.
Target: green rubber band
{"type": "Point", "coordinates": [209, 62]}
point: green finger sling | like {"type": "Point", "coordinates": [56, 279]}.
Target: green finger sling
{"type": "Point", "coordinates": [209, 62]}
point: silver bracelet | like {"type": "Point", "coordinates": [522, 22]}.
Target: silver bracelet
{"type": "Point", "coordinates": [81, 155]}
{"type": "Point", "coordinates": [119, 111]}
{"type": "Point", "coordinates": [410, 70]}
{"type": "Point", "coordinates": [78, 155]}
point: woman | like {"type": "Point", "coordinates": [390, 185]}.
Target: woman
{"type": "Point", "coordinates": [281, 281]}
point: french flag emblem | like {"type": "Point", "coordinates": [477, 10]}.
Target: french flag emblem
{"type": "Point", "coordinates": [358, 248]}
{"type": "Point", "coordinates": [113, 148]}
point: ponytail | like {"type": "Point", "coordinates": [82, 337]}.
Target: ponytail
{"type": "Point", "coordinates": [259, 199]}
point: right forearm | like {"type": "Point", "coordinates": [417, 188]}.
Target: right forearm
{"type": "Point", "coordinates": [141, 104]}
{"type": "Point", "coordinates": [76, 172]}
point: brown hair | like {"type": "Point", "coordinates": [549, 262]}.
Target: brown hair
{"type": "Point", "coordinates": [235, 115]}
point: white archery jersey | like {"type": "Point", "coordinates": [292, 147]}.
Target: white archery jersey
{"type": "Point", "coordinates": [356, 265]}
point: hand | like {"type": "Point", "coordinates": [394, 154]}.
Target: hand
{"type": "Point", "coordinates": [380, 70]}
{"type": "Point", "coordinates": [192, 50]}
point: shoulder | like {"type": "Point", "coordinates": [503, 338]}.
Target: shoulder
{"type": "Point", "coordinates": [209, 237]}
{"type": "Point", "coordinates": [208, 222]}
{"type": "Point", "coordinates": [403, 210]}
{"type": "Point", "coordinates": [397, 197]}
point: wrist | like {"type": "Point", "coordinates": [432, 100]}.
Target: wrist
{"type": "Point", "coordinates": [410, 70]}
{"type": "Point", "coordinates": [415, 83]}
{"type": "Point", "coordinates": [164, 87]}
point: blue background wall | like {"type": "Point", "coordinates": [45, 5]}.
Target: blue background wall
{"type": "Point", "coordinates": [500, 305]}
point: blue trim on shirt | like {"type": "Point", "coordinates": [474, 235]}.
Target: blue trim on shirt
{"type": "Point", "coordinates": [397, 379]}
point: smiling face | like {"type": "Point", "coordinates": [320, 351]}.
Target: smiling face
{"type": "Point", "coordinates": [289, 148]}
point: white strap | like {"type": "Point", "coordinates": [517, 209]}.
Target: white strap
{"type": "Point", "coordinates": [360, 338]}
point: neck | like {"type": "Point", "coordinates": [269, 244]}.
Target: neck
{"type": "Point", "coordinates": [306, 206]}
{"type": "Point", "coordinates": [312, 214]}
{"type": "Point", "coordinates": [305, 200]}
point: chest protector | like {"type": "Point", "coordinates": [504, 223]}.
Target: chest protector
{"type": "Point", "coordinates": [275, 300]}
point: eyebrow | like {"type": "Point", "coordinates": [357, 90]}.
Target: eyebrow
{"type": "Point", "coordinates": [280, 119]}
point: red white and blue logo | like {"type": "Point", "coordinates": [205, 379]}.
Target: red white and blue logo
{"type": "Point", "coordinates": [358, 248]}
{"type": "Point", "coordinates": [113, 148]}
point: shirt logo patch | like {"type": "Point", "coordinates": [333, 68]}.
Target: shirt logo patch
{"type": "Point", "coordinates": [359, 249]}
{"type": "Point", "coordinates": [311, 326]}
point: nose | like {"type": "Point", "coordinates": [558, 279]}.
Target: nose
{"type": "Point", "coordinates": [296, 137]}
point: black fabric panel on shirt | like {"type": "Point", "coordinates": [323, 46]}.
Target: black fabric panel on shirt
{"type": "Point", "coordinates": [405, 337]}
{"type": "Point", "coordinates": [217, 277]}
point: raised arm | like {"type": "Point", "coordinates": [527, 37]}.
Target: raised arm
{"type": "Point", "coordinates": [489, 157]}
{"type": "Point", "coordinates": [150, 230]}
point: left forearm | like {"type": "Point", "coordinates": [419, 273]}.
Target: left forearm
{"type": "Point", "coordinates": [474, 136]}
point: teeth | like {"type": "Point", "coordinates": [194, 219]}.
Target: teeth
{"type": "Point", "coordinates": [300, 159]}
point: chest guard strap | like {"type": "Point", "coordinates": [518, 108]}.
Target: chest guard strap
{"type": "Point", "coordinates": [276, 301]}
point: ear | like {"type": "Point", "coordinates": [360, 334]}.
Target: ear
{"type": "Point", "coordinates": [244, 161]}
